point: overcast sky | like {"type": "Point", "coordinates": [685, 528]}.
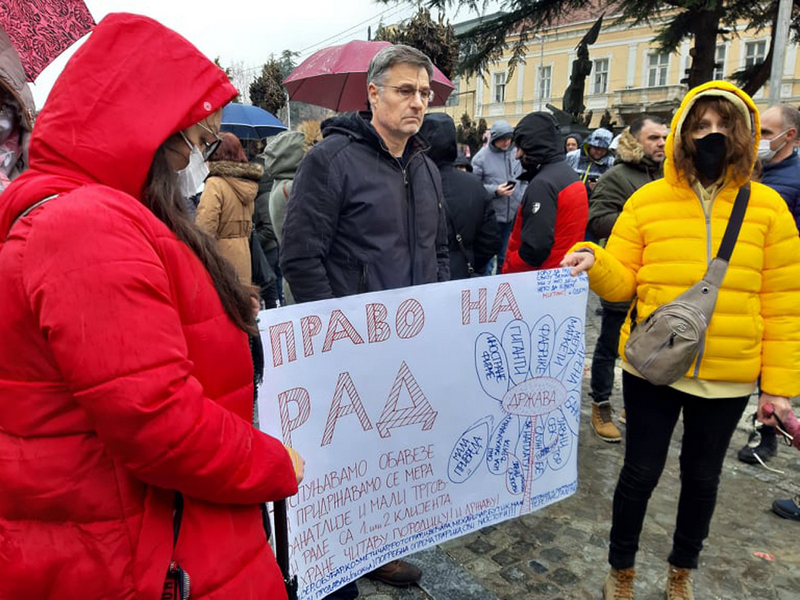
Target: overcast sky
{"type": "Point", "coordinates": [248, 31]}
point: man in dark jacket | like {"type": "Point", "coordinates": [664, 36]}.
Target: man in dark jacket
{"type": "Point", "coordinates": [778, 153]}
{"type": "Point", "coordinates": [640, 155]}
{"type": "Point", "coordinates": [366, 212]}
{"type": "Point", "coordinates": [472, 233]}
{"type": "Point", "coordinates": [781, 171]}
{"type": "Point", "coordinates": [554, 209]}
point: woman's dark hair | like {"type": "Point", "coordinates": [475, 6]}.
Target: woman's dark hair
{"type": "Point", "coordinates": [162, 198]}
{"type": "Point", "coordinates": [230, 149]}
{"type": "Point", "coordinates": [740, 153]}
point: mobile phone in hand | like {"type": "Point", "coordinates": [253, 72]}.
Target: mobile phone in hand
{"type": "Point", "coordinates": [511, 183]}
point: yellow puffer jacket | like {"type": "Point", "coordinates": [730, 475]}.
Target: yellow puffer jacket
{"type": "Point", "coordinates": [663, 242]}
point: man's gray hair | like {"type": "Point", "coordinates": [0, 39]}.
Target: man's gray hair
{"type": "Point", "coordinates": [791, 116]}
{"type": "Point", "coordinates": [393, 55]}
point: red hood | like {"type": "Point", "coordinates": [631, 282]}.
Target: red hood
{"type": "Point", "coordinates": [127, 89]}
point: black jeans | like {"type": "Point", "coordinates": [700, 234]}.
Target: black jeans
{"type": "Point", "coordinates": [651, 413]}
{"type": "Point", "coordinates": [605, 354]}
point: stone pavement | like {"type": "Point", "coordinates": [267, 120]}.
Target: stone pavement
{"type": "Point", "coordinates": [559, 552]}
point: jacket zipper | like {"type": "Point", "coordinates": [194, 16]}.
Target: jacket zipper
{"type": "Point", "coordinates": [701, 350]}
{"type": "Point", "coordinates": [412, 217]}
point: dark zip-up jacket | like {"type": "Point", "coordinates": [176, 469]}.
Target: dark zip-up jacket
{"type": "Point", "coordinates": [784, 178]}
{"type": "Point", "coordinates": [472, 232]}
{"type": "Point", "coordinates": [361, 220]}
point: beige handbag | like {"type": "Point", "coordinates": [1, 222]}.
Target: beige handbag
{"type": "Point", "coordinates": [665, 344]}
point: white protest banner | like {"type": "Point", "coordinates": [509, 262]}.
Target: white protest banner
{"type": "Point", "coordinates": [423, 414]}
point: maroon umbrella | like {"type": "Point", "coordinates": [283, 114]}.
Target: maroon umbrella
{"type": "Point", "coordinates": [40, 30]}
{"type": "Point", "coordinates": [336, 77]}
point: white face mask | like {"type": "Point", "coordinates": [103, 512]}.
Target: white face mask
{"type": "Point", "coordinates": [765, 151]}
{"type": "Point", "coordinates": [194, 174]}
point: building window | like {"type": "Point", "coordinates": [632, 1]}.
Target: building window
{"type": "Point", "coordinates": [600, 76]}
{"type": "Point", "coordinates": [499, 85]}
{"type": "Point", "coordinates": [545, 79]}
{"type": "Point", "coordinates": [657, 65]}
{"type": "Point", "coordinates": [754, 53]}
{"type": "Point", "coordinates": [719, 59]}
{"type": "Point", "coordinates": [452, 99]}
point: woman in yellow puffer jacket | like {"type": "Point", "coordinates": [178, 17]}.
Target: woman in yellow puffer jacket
{"type": "Point", "coordinates": [661, 245]}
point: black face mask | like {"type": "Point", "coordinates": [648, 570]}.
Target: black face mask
{"type": "Point", "coordinates": [710, 157]}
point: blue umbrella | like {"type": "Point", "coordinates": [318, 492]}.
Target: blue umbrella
{"type": "Point", "coordinates": [250, 122]}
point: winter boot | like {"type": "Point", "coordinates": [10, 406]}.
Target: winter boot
{"type": "Point", "coordinates": [762, 444]}
{"type": "Point", "coordinates": [602, 423]}
{"type": "Point", "coordinates": [619, 584]}
{"type": "Point", "coordinates": [679, 584]}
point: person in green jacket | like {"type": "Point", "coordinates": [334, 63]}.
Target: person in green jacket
{"type": "Point", "coordinates": [640, 155]}
{"type": "Point", "coordinates": [281, 159]}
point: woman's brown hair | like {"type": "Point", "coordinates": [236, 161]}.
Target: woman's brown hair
{"type": "Point", "coordinates": [162, 198]}
{"type": "Point", "coordinates": [230, 149]}
{"type": "Point", "coordinates": [740, 153]}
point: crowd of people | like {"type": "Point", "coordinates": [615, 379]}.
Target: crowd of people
{"type": "Point", "coordinates": [134, 454]}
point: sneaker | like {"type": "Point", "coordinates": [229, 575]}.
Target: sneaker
{"type": "Point", "coordinates": [762, 444]}
{"type": "Point", "coordinates": [619, 584]}
{"type": "Point", "coordinates": [788, 509]}
{"type": "Point", "coordinates": [398, 573]}
{"type": "Point", "coordinates": [602, 423]}
{"type": "Point", "coordinates": [622, 417]}
{"type": "Point", "coordinates": [679, 584]}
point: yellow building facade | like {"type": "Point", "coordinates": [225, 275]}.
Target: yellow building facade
{"type": "Point", "coordinates": [629, 76]}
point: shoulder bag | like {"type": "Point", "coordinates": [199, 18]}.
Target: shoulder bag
{"type": "Point", "coordinates": [665, 344]}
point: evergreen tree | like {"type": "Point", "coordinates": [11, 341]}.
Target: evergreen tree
{"type": "Point", "coordinates": [702, 21]}
{"type": "Point", "coordinates": [267, 90]}
{"type": "Point", "coordinates": [436, 39]}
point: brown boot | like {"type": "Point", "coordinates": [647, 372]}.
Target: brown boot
{"type": "Point", "coordinates": [398, 573]}
{"type": "Point", "coordinates": [619, 584]}
{"type": "Point", "coordinates": [602, 423]}
{"type": "Point", "coordinates": [679, 584]}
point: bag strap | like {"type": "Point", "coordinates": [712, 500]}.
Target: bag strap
{"type": "Point", "coordinates": [28, 211]}
{"type": "Point", "coordinates": [460, 240]}
{"type": "Point", "coordinates": [734, 223]}
{"type": "Point", "coordinates": [716, 270]}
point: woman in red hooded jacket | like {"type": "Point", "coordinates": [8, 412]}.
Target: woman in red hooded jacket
{"type": "Point", "coordinates": [127, 387]}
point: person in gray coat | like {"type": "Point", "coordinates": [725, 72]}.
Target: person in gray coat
{"type": "Point", "coordinates": [497, 166]}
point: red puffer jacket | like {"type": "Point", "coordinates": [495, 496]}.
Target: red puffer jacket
{"type": "Point", "coordinates": [122, 380]}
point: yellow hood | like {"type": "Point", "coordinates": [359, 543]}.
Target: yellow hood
{"type": "Point", "coordinates": [713, 88]}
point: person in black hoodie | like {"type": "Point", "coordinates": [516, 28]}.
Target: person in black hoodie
{"type": "Point", "coordinates": [554, 209]}
{"type": "Point", "coordinates": [472, 233]}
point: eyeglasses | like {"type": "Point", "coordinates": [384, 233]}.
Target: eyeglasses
{"type": "Point", "coordinates": [210, 147]}
{"type": "Point", "coordinates": [406, 92]}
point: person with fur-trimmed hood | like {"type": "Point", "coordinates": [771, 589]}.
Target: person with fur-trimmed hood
{"type": "Point", "coordinates": [640, 155]}
{"type": "Point", "coordinates": [554, 210]}
{"type": "Point", "coordinates": [226, 207]}
{"type": "Point", "coordinates": [16, 114]}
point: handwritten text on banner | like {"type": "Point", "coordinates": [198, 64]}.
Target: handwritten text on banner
{"type": "Point", "coordinates": [423, 414]}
